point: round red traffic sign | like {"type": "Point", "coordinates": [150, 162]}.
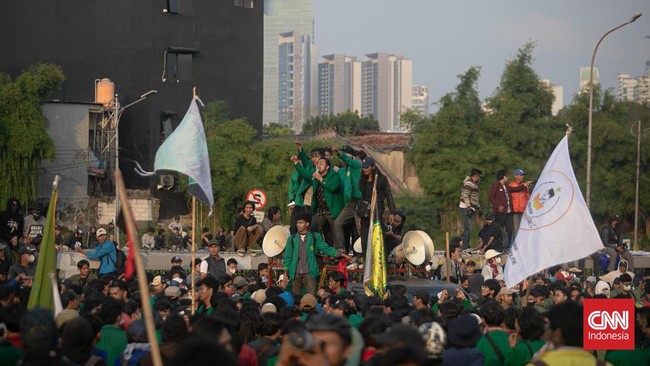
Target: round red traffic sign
{"type": "Point", "coordinates": [258, 196]}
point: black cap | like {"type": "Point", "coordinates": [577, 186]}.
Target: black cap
{"type": "Point", "coordinates": [176, 259]}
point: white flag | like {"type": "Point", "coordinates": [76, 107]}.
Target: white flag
{"type": "Point", "coordinates": [556, 226]}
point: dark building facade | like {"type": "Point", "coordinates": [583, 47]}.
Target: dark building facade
{"type": "Point", "coordinates": [166, 45]}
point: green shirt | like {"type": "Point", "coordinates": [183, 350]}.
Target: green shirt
{"type": "Point", "coordinates": [9, 355]}
{"type": "Point", "coordinates": [500, 339]}
{"type": "Point", "coordinates": [629, 358]}
{"type": "Point", "coordinates": [203, 310]}
{"type": "Point", "coordinates": [113, 341]}
{"type": "Point", "coordinates": [521, 354]}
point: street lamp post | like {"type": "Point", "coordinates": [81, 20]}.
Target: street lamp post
{"type": "Point", "coordinates": [591, 101]}
{"type": "Point", "coordinates": [118, 114]}
{"type": "Point", "coordinates": [639, 134]}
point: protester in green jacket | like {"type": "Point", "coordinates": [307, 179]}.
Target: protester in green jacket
{"type": "Point", "coordinates": [351, 194]}
{"type": "Point", "coordinates": [113, 339]}
{"type": "Point", "coordinates": [299, 262]}
{"type": "Point", "coordinates": [494, 342]}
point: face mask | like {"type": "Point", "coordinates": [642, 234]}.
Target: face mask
{"type": "Point", "coordinates": [14, 209]}
{"type": "Point", "coordinates": [627, 288]}
{"type": "Point", "coordinates": [232, 270]}
{"type": "Point", "coordinates": [229, 291]}
{"type": "Point", "coordinates": [31, 258]}
{"type": "Point", "coordinates": [37, 216]}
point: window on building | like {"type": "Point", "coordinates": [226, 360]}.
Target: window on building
{"type": "Point", "coordinates": [250, 4]}
{"type": "Point", "coordinates": [174, 6]}
{"type": "Point", "coordinates": [177, 64]}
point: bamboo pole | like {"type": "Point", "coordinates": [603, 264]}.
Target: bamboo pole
{"type": "Point", "coordinates": [193, 233]}
{"type": "Point", "coordinates": [448, 261]}
{"type": "Point", "coordinates": [139, 266]}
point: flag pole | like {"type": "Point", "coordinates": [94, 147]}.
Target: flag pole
{"type": "Point", "coordinates": [367, 270]}
{"type": "Point", "coordinates": [193, 233]}
{"type": "Point", "coordinates": [447, 263]}
{"type": "Point", "coordinates": [139, 266]}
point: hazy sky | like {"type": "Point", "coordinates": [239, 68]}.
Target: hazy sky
{"type": "Point", "coordinates": [445, 38]}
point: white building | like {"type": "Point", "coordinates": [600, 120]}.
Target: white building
{"type": "Point", "coordinates": [631, 89]}
{"type": "Point", "coordinates": [339, 84]}
{"type": "Point", "coordinates": [297, 101]}
{"type": "Point", "coordinates": [386, 84]}
{"type": "Point", "coordinates": [281, 16]}
{"type": "Point", "coordinates": [558, 93]}
{"type": "Point", "coordinates": [420, 99]}
{"type": "Point", "coordinates": [584, 77]}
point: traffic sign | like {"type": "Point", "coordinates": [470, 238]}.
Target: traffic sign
{"type": "Point", "coordinates": [258, 196]}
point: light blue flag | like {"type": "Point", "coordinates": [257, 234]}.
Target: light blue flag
{"type": "Point", "coordinates": [186, 151]}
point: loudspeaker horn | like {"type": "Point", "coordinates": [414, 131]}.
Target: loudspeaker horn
{"type": "Point", "coordinates": [275, 240]}
{"type": "Point", "coordinates": [417, 247]}
{"type": "Point", "coordinates": [357, 246]}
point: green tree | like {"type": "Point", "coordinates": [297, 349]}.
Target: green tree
{"type": "Point", "coordinates": [614, 152]}
{"type": "Point", "coordinates": [24, 140]}
{"type": "Point", "coordinates": [276, 129]}
{"type": "Point", "coordinates": [444, 145]}
{"type": "Point", "coordinates": [344, 124]}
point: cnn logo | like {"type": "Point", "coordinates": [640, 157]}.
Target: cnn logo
{"type": "Point", "coordinates": [600, 319]}
{"type": "Point", "coordinates": [608, 324]}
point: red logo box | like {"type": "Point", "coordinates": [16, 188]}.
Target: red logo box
{"type": "Point", "coordinates": [608, 324]}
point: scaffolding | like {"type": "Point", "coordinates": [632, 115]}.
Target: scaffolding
{"type": "Point", "coordinates": [102, 152]}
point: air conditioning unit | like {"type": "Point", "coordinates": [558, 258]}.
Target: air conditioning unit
{"type": "Point", "coordinates": [166, 181]}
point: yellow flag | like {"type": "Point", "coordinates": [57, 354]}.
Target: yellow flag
{"type": "Point", "coordinates": [377, 283]}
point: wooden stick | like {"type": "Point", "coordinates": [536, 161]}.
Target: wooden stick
{"type": "Point", "coordinates": [139, 266]}
{"type": "Point", "coordinates": [448, 261]}
{"type": "Point", "coordinates": [193, 231]}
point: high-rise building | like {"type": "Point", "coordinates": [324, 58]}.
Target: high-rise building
{"type": "Point", "coordinates": [420, 99]}
{"type": "Point", "coordinates": [631, 89]}
{"type": "Point", "coordinates": [386, 88]}
{"type": "Point", "coordinates": [296, 79]}
{"type": "Point", "coordinates": [281, 16]}
{"type": "Point", "coordinates": [584, 77]}
{"type": "Point", "coordinates": [339, 84]}
{"type": "Point", "coordinates": [168, 46]}
{"type": "Point", "coordinates": [558, 93]}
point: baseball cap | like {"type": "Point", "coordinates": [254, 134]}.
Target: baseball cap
{"type": "Point", "coordinates": [213, 242]}
{"type": "Point", "coordinates": [308, 301]}
{"type": "Point", "coordinates": [368, 162]}
{"type": "Point", "coordinates": [26, 249]}
{"type": "Point", "coordinates": [100, 231]}
{"type": "Point", "coordinates": [269, 308]}
{"type": "Point", "coordinates": [519, 172]}
{"type": "Point", "coordinates": [176, 259]}
{"type": "Point", "coordinates": [172, 291]}
{"type": "Point", "coordinates": [489, 216]}
{"type": "Point", "coordinates": [236, 297]}
{"type": "Point", "coordinates": [259, 296]}
{"type": "Point", "coordinates": [239, 282]}
{"type": "Point", "coordinates": [158, 280]}
{"type": "Point", "coordinates": [3, 246]}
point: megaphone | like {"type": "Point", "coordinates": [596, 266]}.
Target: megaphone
{"type": "Point", "coordinates": [417, 247]}
{"type": "Point", "coordinates": [357, 246]}
{"type": "Point", "coordinates": [275, 240]}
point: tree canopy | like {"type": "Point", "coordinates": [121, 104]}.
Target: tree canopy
{"type": "Point", "coordinates": [24, 140]}
{"type": "Point", "coordinates": [344, 124]}
{"type": "Point", "coordinates": [514, 128]}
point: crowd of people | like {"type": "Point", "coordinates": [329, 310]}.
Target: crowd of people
{"type": "Point", "coordinates": [218, 314]}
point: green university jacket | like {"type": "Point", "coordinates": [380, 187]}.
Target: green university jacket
{"type": "Point", "coordinates": [314, 242]}
{"type": "Point", "coordinates": [332, 189]}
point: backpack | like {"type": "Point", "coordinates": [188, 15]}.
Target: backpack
{"type": "Point", "coordinates": [120, 263]}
